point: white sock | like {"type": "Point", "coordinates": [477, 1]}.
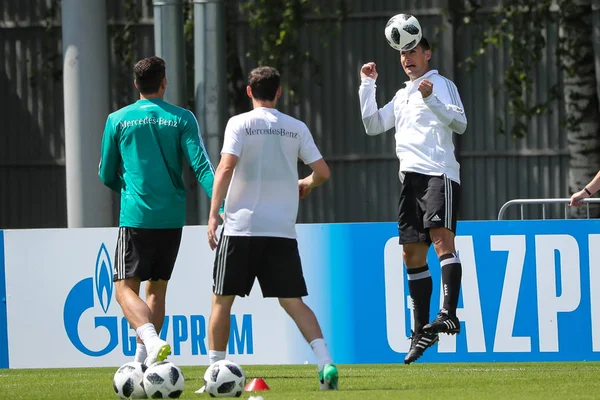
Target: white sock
{"type": "Point", "coordinates": [140, 353]}
{"type": "Point", "coordinates": [319, 347]}
{"type": "Point", "coordinates": [214, 356]}
{"type": "Point", "coordinates": [148, 334]}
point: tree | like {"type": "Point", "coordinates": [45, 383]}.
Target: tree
{"type": "Point", "coordinates": [276, 41]}
{"type": "Point", "coordinates": [276, 27]}
{"type": "Point", "coordinates": [581, 97]}
{"type": "Point", "coordinates": [521, 26]}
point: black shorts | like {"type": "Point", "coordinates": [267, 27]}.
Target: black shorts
{"type": "Point", "coordinates": [426, 201]}
{"type": "Point", "coordinates": [148, 254]}
{"type": "Point", "coordinates": [274, 261]}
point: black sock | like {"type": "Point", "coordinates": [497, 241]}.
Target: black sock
{"type": "Point", "coordinates": [420, 286]}
{"type": "Point", "coordinates": [451, 277]}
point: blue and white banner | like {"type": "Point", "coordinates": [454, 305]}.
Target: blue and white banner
{"type": "Point", "coordinates": [3, 323]}
{"type": "Point", "coordinates": [531, 292]}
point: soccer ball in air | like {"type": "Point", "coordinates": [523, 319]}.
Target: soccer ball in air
{"type": "Point", "coordinates": [163, 380]}
{"type": "Point", "coordinates": [224, 379]}
{"type": "Point", "coordinates": [127, 381]}
{"type": "Point", "coordinates": [403, 32]}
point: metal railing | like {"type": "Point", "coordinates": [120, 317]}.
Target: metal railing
{"type": "Point", "coordinates": [544, 202]}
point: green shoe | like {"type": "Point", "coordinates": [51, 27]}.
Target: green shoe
{"type": "Point", "coordinates": [328, 377]}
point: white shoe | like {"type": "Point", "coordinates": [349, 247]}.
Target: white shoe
{"type": "Point", "coordinates": [158, 352]}
{"type": "Point", "coordinates": [201, 390]}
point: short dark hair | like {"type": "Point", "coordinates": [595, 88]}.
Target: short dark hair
{"type": "Point", "coordinates": [149, 74]}
{"type": "Point", "coordinates": [264, 82]}
{"type": "Point", "coordinates": [424, 43]}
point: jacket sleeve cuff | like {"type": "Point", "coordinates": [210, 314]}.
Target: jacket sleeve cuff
{"type": "Point", "coordinates": [430, 99]}
{"type": "Point", "coordinates": [366, 81]}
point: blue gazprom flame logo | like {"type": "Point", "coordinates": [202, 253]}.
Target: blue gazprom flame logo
{"type": "Point", "coordinates": [95, 331]}
{"type": "Point", "coordinates": [104, 283]}
{"type": "Point", "coordinates": [81, 298]}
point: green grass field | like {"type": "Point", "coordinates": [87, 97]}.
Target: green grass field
{"type": "Point", "coordinates": [418, 381]}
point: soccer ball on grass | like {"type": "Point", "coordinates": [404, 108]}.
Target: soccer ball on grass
{"type": "Point", "coordinates": [224, 379]}
{"type": "Point", "coordinates": [403, 32]}
{"type": "Point", "coordinates": [163, 380]}
{"type": "Point", "coordinates": [127, 381]}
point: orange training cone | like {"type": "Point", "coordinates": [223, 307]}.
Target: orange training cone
{"type": "Point", "coordinates": [256, 384]}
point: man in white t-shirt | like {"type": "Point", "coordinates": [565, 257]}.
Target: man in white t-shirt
{"type": "Point", "coordinates": [425, 114]}
{"type": "Point", "coordinates": [258, 179]}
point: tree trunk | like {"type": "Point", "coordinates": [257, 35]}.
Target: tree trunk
{"type": "Point", "coordinates": [581, 98]}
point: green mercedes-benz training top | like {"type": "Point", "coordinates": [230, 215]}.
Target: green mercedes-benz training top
{"type": "Point", "coordinates": [142, 158]}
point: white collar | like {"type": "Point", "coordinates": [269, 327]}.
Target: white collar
{"type": "Point", "coordinates": [425, 75]}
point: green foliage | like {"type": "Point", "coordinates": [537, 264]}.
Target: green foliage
{"type": "Point", "coordinates": [274, 38]}
{"type": "Point", "coordinates": [520, 26]}
{"type": "Point", "coordinates": [276, 35]}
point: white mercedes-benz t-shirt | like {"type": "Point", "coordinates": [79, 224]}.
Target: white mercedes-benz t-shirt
{"type": "Point", "coordinates": [263, 194]}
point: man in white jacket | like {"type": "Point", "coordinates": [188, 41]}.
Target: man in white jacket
{"type": "Point", "coordinates": [425, 113]}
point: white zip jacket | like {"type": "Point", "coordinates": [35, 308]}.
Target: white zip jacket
{"type": "Point", "coordinates": [423, 126]}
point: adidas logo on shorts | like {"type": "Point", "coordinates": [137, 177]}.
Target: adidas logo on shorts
{"type": "Point", "coordinates": [436, 218]}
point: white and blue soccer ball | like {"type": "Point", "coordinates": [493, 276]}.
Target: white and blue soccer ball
{"type": "Point", "coordinates": [163, 380]}
{"type": "Point", "coordinates": [224, 379]}
{"type": "Point", "coordinates": [403, 32]}
{"type": "Point", "coordinates": [128, 379]}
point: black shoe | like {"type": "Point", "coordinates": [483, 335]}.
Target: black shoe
{"type": "Point", "coordinates": [444, 323]}
{"type": "Point", "coordinates": [419, 343]}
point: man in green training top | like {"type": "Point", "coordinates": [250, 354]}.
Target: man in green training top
{"type": "Point", "coordinates": [142, 158]}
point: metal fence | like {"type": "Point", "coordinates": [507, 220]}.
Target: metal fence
{"type": "Point", "coordinates": [564, 202]}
